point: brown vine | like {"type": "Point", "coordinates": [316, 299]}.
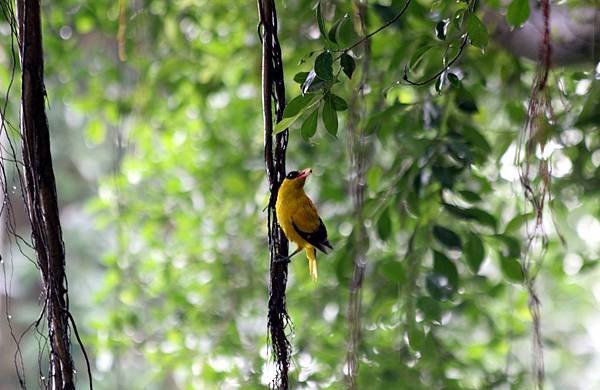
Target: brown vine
{"type": "Point", "coordinates": [273, 92]}
{"type": "Point", "coordinates": [41, 199]}
{"type": "Point", "coordinates": [537, 194]}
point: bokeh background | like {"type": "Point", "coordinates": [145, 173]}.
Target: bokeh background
{"type": "Point", "coordinates": [161, 180]}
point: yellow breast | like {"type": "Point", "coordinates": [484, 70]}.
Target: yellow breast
{"type": "Point", "coordinates": [289, 201]}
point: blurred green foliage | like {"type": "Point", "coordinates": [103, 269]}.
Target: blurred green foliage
{"type": "Point", "coordinates": [175, 132]}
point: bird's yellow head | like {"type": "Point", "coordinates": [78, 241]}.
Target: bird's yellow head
{"type": "Point", "coordinates": [296, 179]}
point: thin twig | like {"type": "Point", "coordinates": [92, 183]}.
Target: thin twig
{"type": "Point", "coordinates": [382, 27]}
{"type": "Point", "coordinates": [444, 69]}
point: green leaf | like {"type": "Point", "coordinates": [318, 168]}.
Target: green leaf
{"type": "Point", "coordinates": [465, 101]}
{"type": "Point", "coordinates": [393, 270]}
{"type": "Point", "coordinates": [309, 126]}
{"type": "Point", "coordinates": [324, 66]}
{"type": "Point", "coordinates": [474, 214]}
{"type": "Point", "coordinates": [297, 105]}
{"type": "Point", "coordinates": [332, 34]}
{"type": "Point", "coordinates": [418, 55]}
{"type": "Point", "coordinates": [430, 308]}
{"type": "Point", "coordinates": [442, 282]}
{"type": "Point", "coordinates": [300, 77]}
{"type": "Point", "coordinates": [474, 252]}
{"type": "Point", "coordinates": [384, 225]}
{"type": "Point", "coordinates": [348, 65]}
{"type": "Point", "coordinates": [460, 152]}
{"type": "Point", "coordinates": [454, 80]}
{"type": "Point", "coordinates": [329, 118]}
{"type": "Point", "coordinates": [514, 224]}
{"type": "Point", "coordinates": [477, 140]}
{"type": "Point", "coordinates": [444, 266]}
{"type": "Point", "coordinates": [483, 217]}
{"type": "Point", "coordinates": [374, 176]}
{"type": "Point", "coordinates": [477, 31]}
{"type": "Point", "coordinates": [284, 124]}
{"type": "Point", "coordinates": [518, 12]}
{"type": "Point", "coordinates": [511, 246]}
{"type": "Point", "coordinates": [446, 176]}
{"type": "Point", "coordinates": [321, 22]}
{"type": "Point", "coordinates": [433, 284]}
{"type": "Point", "coordinates": [470, 196]}
{"type": "Point", "coordinates": [339, 104]}
{"type": "Point", "coordinates": [511, 268]}
{"type": "Point", "coordinates": [345, 34]}
{"type": "Point", "coordinates": [447, 237]}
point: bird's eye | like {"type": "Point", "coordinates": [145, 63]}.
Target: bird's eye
{"type": "Point", "coordinates": [292, 175]}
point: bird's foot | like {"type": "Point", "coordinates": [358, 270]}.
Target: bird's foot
{"type": "Point", "coordinates": [281, 259]}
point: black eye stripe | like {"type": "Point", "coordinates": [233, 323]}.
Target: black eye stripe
{"type": "Point", "coordinates": [292, 175]}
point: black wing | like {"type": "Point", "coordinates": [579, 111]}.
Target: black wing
{"type": "Point", "coordinates": [318, 238]}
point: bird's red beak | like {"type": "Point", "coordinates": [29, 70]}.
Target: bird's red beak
{"type": "Point", "coordinates": [304, 173]}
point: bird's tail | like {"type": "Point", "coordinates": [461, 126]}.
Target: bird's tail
{"type": "Point", "coordinates": [311, 255]}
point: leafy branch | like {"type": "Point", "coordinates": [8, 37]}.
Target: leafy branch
{"type": "Point", "coordinates": [440, 72]}
{"type": "Point", "coordinates": [476, 33]}
{"type": "Point", "coordinates": [381, 28]}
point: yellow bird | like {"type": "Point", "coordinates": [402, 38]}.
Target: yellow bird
{"type": "Point", "coordinates": [298, 217]}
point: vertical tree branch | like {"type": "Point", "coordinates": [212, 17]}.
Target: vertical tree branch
{"type": "Point", "coordinates": [273, 91]}
{"type": "Point", "coordinates": [357, 146]}
{"type": "Point", "coordinates": [40, 195]}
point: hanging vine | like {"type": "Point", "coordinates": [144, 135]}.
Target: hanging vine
{"type": "Point", "coordinates": [41, 201]}
{"type": "Point", "coordinates": [273, 93]}
{"type": "Point", "coordinates": [534, 138]}
{"type": "Point", "coordinates": [357, 146]}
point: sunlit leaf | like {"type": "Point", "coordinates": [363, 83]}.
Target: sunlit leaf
{"type": "Point", "coordinates": [518, 12]}
{"type": "Point", "coordinates": [309, 126]}
{"type": "Point", "coordinates": [515, 224]}
{"type": "Point", "coordinates": [297, 105]}
{"type": "Point", "coordinates": [477, 31]}
{"type": "Point", "coordinates": [393, 270]}
{"type": "Point", "coordinates": [345, 34]}
{"type": "Point", "coordinates": [511, 268]}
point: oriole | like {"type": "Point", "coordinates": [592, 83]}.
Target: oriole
{"type": "Point", "coordinates": [299, 219]}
